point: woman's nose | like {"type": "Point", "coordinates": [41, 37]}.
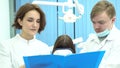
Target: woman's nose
{"type": "Point", "coordinates": [35, 24]}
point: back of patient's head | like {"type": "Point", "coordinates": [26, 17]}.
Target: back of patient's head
{"type": "Point", "coordinates": [64, 42]}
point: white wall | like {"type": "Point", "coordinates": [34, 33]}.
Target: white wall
{"type": "Point", "coordinates": [4, 20]}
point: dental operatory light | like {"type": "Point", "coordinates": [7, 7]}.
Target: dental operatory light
{"type": "Point", "coordinates": [69, 16]}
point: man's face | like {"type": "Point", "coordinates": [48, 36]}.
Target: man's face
{"type": "Point", "coordinates": [102, 21]}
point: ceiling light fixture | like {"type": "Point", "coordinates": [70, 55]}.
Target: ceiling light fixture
{"type": "Point", "coordinates": [69, 16]}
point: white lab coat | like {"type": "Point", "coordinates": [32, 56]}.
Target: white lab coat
{"type": "Point", "coordinates": [13, 50]}
{"type": "Point", "coordinates": [111, 46]}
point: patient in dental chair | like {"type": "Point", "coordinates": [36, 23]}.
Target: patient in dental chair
{"type": "Point", "coordinates": [63, 46]}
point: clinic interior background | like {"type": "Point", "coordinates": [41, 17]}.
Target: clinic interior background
{"type": "Point", "coordinates": [81, 28]}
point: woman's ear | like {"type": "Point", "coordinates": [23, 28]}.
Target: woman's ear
{"type": "Point", "coordinates": [113, 19]}
{"type": "Point", "coordinates": [19, 21]}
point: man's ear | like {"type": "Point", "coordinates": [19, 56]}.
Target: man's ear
{"type": "Point", "coordinates": [19, 21]}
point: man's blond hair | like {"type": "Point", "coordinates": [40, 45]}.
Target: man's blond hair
{"type": "Point", "coordinates": [103, 6]}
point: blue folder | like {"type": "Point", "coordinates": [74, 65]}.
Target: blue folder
{"type": "Point", "coordinates": [82, 60]}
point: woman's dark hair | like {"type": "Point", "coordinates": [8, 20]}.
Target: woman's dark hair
{"type": "Point", "coordinates": [64, 42]}
{"type": "Point", "coordinates": [26, 8]}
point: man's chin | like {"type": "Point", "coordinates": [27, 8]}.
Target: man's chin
{"type": "Point", "coordinates": [97, 31]}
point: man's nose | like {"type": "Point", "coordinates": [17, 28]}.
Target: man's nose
{"type": "Point", "coordinates": [96, 25]}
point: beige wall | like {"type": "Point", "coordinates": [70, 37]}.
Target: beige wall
{"type": "Point", "coordinates": [4, 20]}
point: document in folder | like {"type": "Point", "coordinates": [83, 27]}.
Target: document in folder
{"type": "Point", "coordinates": [82, 60]}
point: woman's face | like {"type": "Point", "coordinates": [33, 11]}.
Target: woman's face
{"type": "Point", "coordinates": [30, 23]}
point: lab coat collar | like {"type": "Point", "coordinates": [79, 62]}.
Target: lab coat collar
{"type": "Point", "coordinates": [93, 37]}
{"type": "Point", "coordinates": [24, 40]}
{"type": "Point", "coordinates": [113, 34]}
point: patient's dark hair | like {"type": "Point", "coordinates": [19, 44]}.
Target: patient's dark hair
{"type": "Point", "coordinates": [64, 42]}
